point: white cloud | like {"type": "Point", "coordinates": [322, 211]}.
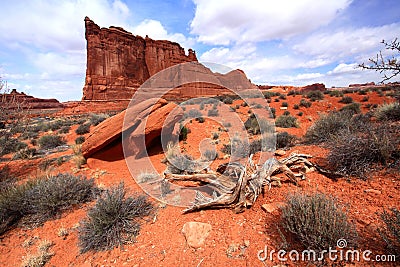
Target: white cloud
{"type": "Point", "coordinates": [227, 21]}
{"type": "Point", "coordinates": [155, 30]}
{"type": "Point", "coordinates": [347, 42]}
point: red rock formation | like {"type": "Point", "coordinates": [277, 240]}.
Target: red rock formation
{"type": "Point", "coordinates": [15, 99]}
{"type": "Point", "coordinates": [118, 62]}
{"type": "Point", "coordinates": [147, 117]}
{"type": "Point", "coordinates": [314, 87]}
{"type": "Point", "coordinates": [362, 84]}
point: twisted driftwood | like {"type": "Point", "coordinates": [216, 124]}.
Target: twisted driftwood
{"type": "Point", "coordinates": [237, 186]}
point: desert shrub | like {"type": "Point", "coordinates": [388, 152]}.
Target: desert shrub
{"type": "Point", "coordinates": [96, 119]}
{"type": "Point", "coordinates": [52, 195]}
{"type": "Point", "coordinates": [389, 112]}
{"type": "Point", "coordinates": [83, 129]}
{"type": "Point", "coordinates": [244, 104]}
{"type": "Point", "coordinates": [293, 93]}
{"type": "Point", "coordinates": [286, 113]}
{"type": "Point", "coordinates": [365, 99]}
{"type": "Point", "coordinates": [284, 139]}
{"type": "Point", "coordinates": [113, 221]}
{"type": "Point", "coordinates": [317, 221]}
{"type": "Point", "coordinates": [41, 199]}
{"type": "Point", "coordinates": [296, 106]}
{"type": "Point", "coordinates": [200, 119]}
{"type": "Point", "coordinates": [286, 121]}
{"type": "Point", "coordinates": [183, 133]}
{"type": "Point", "coordinates": [236, 148]}
{"type": "Point", "coordinates": [300, 114]}
{"type": "Point", "coordinates": [284, 104]}
{"type": "Point", "coordinates": [268, 94]}
{"type": "Point", "coordinates": [276, 100]}
{"type": "Point", "coordinates": [42, 256]}
{"type": "Point", "coordinates": [212, 113]}
{"type": "Point", "coordinates": [215, 136]}
{"type": "Point", "coordinates": [193, 113]}
{"type": "Point", "coordinates": [145, 177]}
{"type": "Point", "coordinates": [25, 153]}
{"type": "Point", "coordinates": [28, 134]}
{"type": "Point", "coordinates": [80, 140]}
{"type": "Point", "coordinates": [305, 103]}
{"type": "Point", "coordinates": [228, 100]}
{"type": "Point", "coordinates": [282, 96]}
{"type": "Point", "coordinates": [56, 125]}
{"type": "Point", "coordinates": [273, 112]}
{"type": "Point", "coordinates": [327, 126]}
{"type": "Point", "coordinates": [9, 145]}
{"type": "Point", "coordinates": [360, 149]}
{"type": "Point", "coordinates": [362, 92]}
{"type": "Point", "coordinates": [50, 141]}
{"type": "Point", "coordinates": [315, 95]}
{"type": "Point", "coordinates": [64, 129]}
{"type": "Point", "coordinates": [226, 124]}
{"type": "Point", "coordinates": [391, 232]}
{"type": "Point", "coordinates": [353, 108]}
{"type": "Point", "coordinates": [335, 93]}
{"type": "Point", "coordinates": [257, 126]}
{"type": "Point", "coordinates": [346, 100]}
{"type": "Point", "coordinates": [209, 154]}
{"type": "Point", "coordinates": [7, 180]}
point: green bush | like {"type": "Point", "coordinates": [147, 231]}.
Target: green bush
{"type": "Point", "coordinates": [228, 100]}
{"type": "Point", "coordinates": [391, 232]}
{"type": "Point", "coordinates": [25, 153]}
{"type": "Point", "coordinates": [80, 140]}
{"type": "Point", "coordinates": [9, 145]}
{"type": "Point", "coordinates": [113, 221]}
{"type": "Point", "coordinates": [83, 129]}
{"type": "Point", "coordinates": [183, 133]}
{"type": "Point", "coordinates": [212, 113]}
{"type": "Point", "coordinates": [346, 100]}
{"type": "Point", "coordinates": [236, 148]}
{"type": "Point", "coordinates": [353, 108]}
{"type": "Point", "coordinates": [284, 104]}
{"type": "Point", "coordinates": [64, 129]}
{"type": "Point", "coordinates": [390, 112]}
{"type": "Point", "coordinates": [284, 139]}
{"type": "Point", "coordinates": [335, 93]}
{"type": "Point", "coordinates": [209, 154]}
{"type": "Point", "coordinates": [305, 103]}
{"type": "Point", "coordinates": [257, 126]}
{"type": "Point", "coordinates": [50, 141]}
{"type": "Point", "coordinates": [296, 106]}
{"type": "Point", "coordinates": [286, 121]}
{"type": "Point", "coordinates": [317, 221]}
{"type": "Point", "coordinates": [300, 114]}
{"type": "Point", "coordinates": [200, 119]}
{"type": "Point", "coordinates": [315, 95]}
{"type": "Point", "coordinates": [96, 119]}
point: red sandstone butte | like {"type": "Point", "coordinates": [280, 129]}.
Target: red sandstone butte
{"type": "Point", "coordinates": [20, 99]}
{"type": "Point", "coordinates": [118, 63]}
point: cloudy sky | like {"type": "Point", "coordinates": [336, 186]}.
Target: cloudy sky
{"type": "Point", "coordinates": [288, 42]}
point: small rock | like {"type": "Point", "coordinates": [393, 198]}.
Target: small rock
{"type": "Point", "coordinates": [283, 108]}
{"type": "Point", "coordinates": [271, 207]}
{"type": "Point", "coordinates": [196, 233]}
{"type": "Point", "coordinates": [374, 191]}
{"type": "Point", "coordinates": [280, 152]}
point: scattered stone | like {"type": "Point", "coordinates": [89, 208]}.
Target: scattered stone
{"type": "Point", "coordinates": [374, 191]}
{"type": "Point", "coordinates": [271, 207]}
{"type": "Point", "coordinates": [283, 108]}
{"type": "Point", "coordinates": [196, 233]}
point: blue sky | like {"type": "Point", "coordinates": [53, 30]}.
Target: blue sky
{"type": "Point", "coordinates": [286, 42]}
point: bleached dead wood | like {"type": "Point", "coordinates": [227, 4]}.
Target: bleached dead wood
{"type": "Point", "coordinates": [237, 186]}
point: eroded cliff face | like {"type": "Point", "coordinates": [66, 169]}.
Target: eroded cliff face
{"type": "Point", "coordinates": [118, 62]}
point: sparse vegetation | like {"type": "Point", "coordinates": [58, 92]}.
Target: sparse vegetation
{"type": "Point", "coordinates": [80, 140]}
{"type": "Point", "coordinates": [315, 95]}
{"type": "Point", "coordinates": [42, 199]}
{"type": "Point", "coordinates": [284, 140]}
{"type": "Point", "coordinates": [389, 112]}
{"type": "Point", "coordinates": [317, 221]}
{"type": "Point", "coordinates": [286, 121]}
{"type": "Point", "coordinates": [42, 256]}
{"type": "Point", "coordinates": [113, 221]}
{"type": "Point", "coordinates": [305, 103]}
{"type": "Point", "coordinates": [391, 231]}
{"type": "Point", "coordinates": [96, 119]}
{"type": "Point", "coordinates": [346, 100]}
{"type": "Point", "coordinates": [50, 141]}
{"type": "Point", "coordinates": [83, 129]}
{"type": "Point", "coordinates": [353, 108]}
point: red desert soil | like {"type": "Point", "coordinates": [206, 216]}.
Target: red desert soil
{"type": "Point", "coordinates": [235, 239]}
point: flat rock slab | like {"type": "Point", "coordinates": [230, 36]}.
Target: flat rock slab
{"type": "Point", "coordinates": [196, 233]}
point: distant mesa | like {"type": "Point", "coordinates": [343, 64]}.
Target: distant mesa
{"type": "Point", "coordinates": [362, 84]}
{"type": "Point", "coordinates": [118, 63]}
{"type": "Point", "coordinates": [15, 99]}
